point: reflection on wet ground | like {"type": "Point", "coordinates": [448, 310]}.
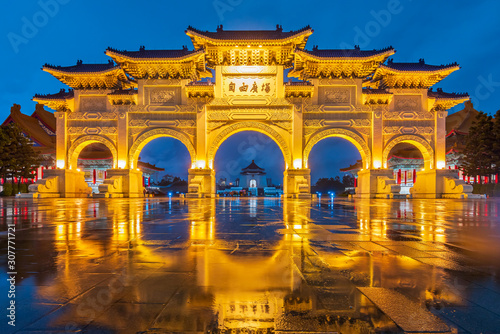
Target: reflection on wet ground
{"type": "Point", "coordinates": [266, 265]}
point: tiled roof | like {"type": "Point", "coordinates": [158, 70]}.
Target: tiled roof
{"type": "Point", "coordinates": [30, 126]}
{"type": "Point", "coordinates": [124, 92]}
{"type": "Point", "coordinates": [146, 165]}
{"type": "Point", "coordinates": [200, 83]}
{"type": "Point", "coordinates": [298, 83]}
{"type": "Point", "coordinates": [80, 67]}
{"type": "Point", "coordinates": [462, 120]}
{"type": "Point", "coordinates": [252, 167]}
{"type": "Point", "coordinates": [221, 34]}
{"type": "Point", "coordinates": [354, 167]}
{"type": "Point", "coordinates": [375, 91]}
{"type": "Point", "coordinates": [143, 53]}
{"type": "Point", "coordinates": [63, 94]}
{"type": "Point", "coordinates": [416, 67]}
{"type": "Point", "coordinates": [440, 94]}
{"type": "Point", "coordinates": [346, 53]}
{"type": "Point", "coordinates": [45, 116]}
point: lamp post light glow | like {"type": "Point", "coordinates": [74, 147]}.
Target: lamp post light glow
{"type": "Point", "coordinates": [441, 164]}
{"type": "Point", "coordinates": [122, 164]}
{"type": "Point", "coordinates": [297, 163]}
{"type": "Point", "coordinates": [60, 164]}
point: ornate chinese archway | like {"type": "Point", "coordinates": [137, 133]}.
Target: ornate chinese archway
{"type": "Point", "coordinates": [358, 95]}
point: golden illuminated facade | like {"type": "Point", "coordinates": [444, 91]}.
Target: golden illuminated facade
{"type": "Point", "coordinates": [354, 94]}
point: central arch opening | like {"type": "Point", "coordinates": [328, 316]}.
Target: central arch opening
{"type": "Point", "coordinates": [334, 163]}
{"type": "Point", "coordinates": [249, 163]}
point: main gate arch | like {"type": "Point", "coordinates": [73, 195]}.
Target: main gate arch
{"type": "Point", "coordinates": [234, 128]}
{"type": "Point", "coordinates": [358, 95]}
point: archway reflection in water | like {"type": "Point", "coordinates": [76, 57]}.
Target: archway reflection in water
{"type": "Point", "coordinates": [261, 263]}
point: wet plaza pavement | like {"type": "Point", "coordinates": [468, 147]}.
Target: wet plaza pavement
{"type": "Point", "coordinates": [252, 265]}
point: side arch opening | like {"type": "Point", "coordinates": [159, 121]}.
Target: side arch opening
{"type": "Point", "coordinates": [419, 143]}
{"type": "Point", "coordinates": [348, 135]}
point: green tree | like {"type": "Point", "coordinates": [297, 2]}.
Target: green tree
{"type": "Point", "coordinates": [348, 180]}
{"type": "Point", "coordinates": [325, 185]}
{"type": "Point", "coordinates": [496, 142]}
{"type": "Point", "coordinates": [6, 153]}
{"type": "Point", "coordinates": [478, 152]}
{"type": "Point", "coordinates": [18, 158]}
{"type": "Point", "coordinates": [170, 180]}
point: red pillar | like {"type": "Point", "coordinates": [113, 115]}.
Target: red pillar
{"type": "Point", "coordinates": [414, 176]}
{"type": "Point", "coordinates": [355, 182]}
{"type": "Point", "coordinates": [94, 176]}
{"type": "Point", "coordinates": [399, 176]}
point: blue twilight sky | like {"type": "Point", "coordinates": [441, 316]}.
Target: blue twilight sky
{"type": "Point", "coordinates": [60, 32]}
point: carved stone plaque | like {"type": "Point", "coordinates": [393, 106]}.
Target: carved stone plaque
{"type": "Point", "coordinates": [336, 95]}
{"type": "Point", "coordinates": [249, 86]}
{"type": "Point", "coordinates": [407, 103]}
{"type": "Point", "coordinates": [163, 96]}
{"type": "Point", "coordinates": [93, 103]}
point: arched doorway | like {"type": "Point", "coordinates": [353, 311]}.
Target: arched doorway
{"type": "Point", "coordinates": [94, 160]}
{"type": "Point", "coordinates": [349, 135]}
{"type": "Point", "coordinates": [249, 163]}
{"type": "Point", "coordinates": [421, 144]}
{"type": "Point", "coordinates": [405, 159]}
{"type": "Point", "coordinates": [334, 163]}
{"type": "Point", "coordinates": [164, 163]}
